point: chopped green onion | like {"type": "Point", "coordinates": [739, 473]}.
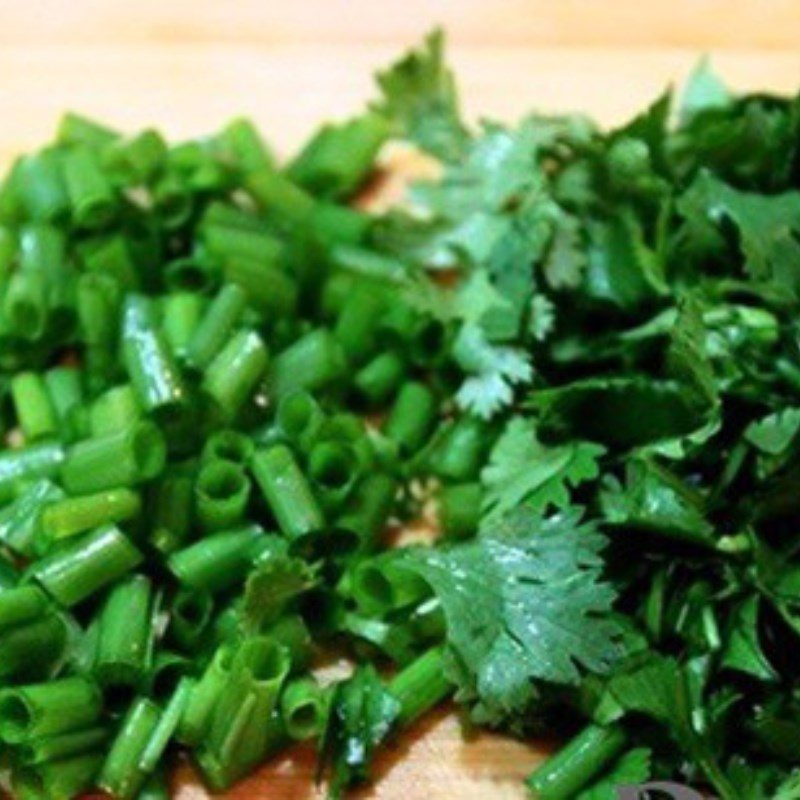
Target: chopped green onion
{"type": "Point", "coordinates": [222, 491]}
{"type": "Point", "coordinates": [217, 561]}
{"type": "Point", "coordinates": [63, 779]}
{"type": "Point", "coordinates": [77, 129]}
{"type": "Point", "coordinates": [333, 470]}
{"type": "Point", "coordinates": [66, 393]}
{"type": "Point", "coordinates": [127, 458]}
{"type": "Point", "coordinates": [269, 289]}
{"type": "Point", "coordinates": [40, 183]}
{"type": "Point", "coordinates": [337, 159]}
{"type": "Point", "coordinates": [460, 508]}
{"type": "Point", "coordinates": [380, 378]}
{"type": "Point", "coordinates": [123, 655]}
{"type": "Point", "coordinates": [173, 201]}
{"type": "Point", "coordinates": [203, 697]}
{"type": "Point", "coordinates": [381, 585]}
{"type": "Point", "coordinates": [358, 323]}
{"type": "Point", "coordinates": [227, 242]}
{"type": "Point", "coordinates": [369, 508]}
{"type": "Point", "coordinates": [420, 686]}
{"type": "Point", "coordinates": [279, 197]}
{"type": "Point", "coordinates": [122, 774]}
{"type": "Point", "coordinates": [216, 326]}
{"type": "Point", "coordinates": [20, 520]}
{"type": "Point", "coordinates": [44, 709]}
{"type": "Point", "coordinates": [36, 461]}
{"type": "Point", "coordinates": [241, 144]}
{"type": "Point", "coordinates": [228, 445]}
{"type": "Point", "coordinates": [109, 256]}
{"type": "Point", "coordinates": [462, 450]}
{"type": "Point", "coordinates": [312, 362]}
{"type": "Point", "coordinates": [191, 617]}
{"type": "Point", "coordinates": [167, 726]}
{"type": "Point", "coordinates": [21, 604]}
{"type": "Point", "coordinates": [412, 417]}
{"type": "Point", "coordinates": [115, 409]}
{"type": "Point", "coordinates": [31, 649]}
{"type": "Point", "coordinates": [237, 737]}
{"type": "Point", "coordinates": [77, 570]}
{"type": "Point", "coordinates": [170, 507]}
{"type": "Point", "coordinates": [234, 373]}
{"type": "Point", "coordinates": [36, 415]}
{"type": "Point", "coordinates": [63, 745]}
{"type": "Point", "coordinates": [299, 418]}
{"type": "Point", "coordinates": [73, 515]}
{"type": "Point", "coordinates": [155, 377]}
{"type": "Point", "coordinates": [563, 775]}
{"type": "Point", "coordinates": [168, 670]}
{"type": "Point", "coordinates": [91, 196]}
{"type": "Point", "coordinates": [155, 788]}
{"type": "Point", "coordinates": [287, 492]}
{"type": "Point", "coordinates": [292, 633]}
{"type": "Point", "coordinates": [181, 312]}
{"type": "Point", "coordinates": [25, 304]}
{"type": "Point", "coordinates": [138, 159]}
{"type": "Point", "coordinates": [302, 709]}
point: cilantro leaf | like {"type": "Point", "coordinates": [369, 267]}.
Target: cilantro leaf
{"type": "Point", "coordinates": [743, 651]}
{"type": "Point", "coordinates": [773, 434]}
{"type": "Point", "coordinates": [495, 201]}
{"type": "Point", "coordinates": [477, 298]}
{"type": "Point", "coordinates": [419, 95]}
{"type": "Point", "coordinates": [521, 470]}
{"type": "Point", "coordinates": [751, 143]}
{"type": "Point", "coordinates": [493, 371]}
{"type": "Point", "coordinates": [767, 227]}
{"type": "Point", "coordinates": [498, 169]}
{"type": "Point", "coordinates": [789, 789]}
{"type": "Point", "coordinates": [564, 264]}
{"type": "Point", "coordinates": [523, 602]}
{"type": "Point", "coordinates": [687, 359]}
{"type": "Point", "coordinates": [541, 317]}
{"type": "Point", "coordinates": [703, 91]}
{"type": "Point", "coordinates": [620, 412]}
{"type": "Point", "coordinates": [654, 499]}
{"type": "Point", "coordinates": [672, 694]}
{"type": "Point", "coordinates": [622, 268]}
{"type": "Point", "coordinates": [361, 715]}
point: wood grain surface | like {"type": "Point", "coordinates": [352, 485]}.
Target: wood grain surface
{"type": "Point", "coordinates": [188, 65]}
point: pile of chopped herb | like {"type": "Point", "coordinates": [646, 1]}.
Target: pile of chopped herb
{"type": "Point", "coordinates": [223, 387]}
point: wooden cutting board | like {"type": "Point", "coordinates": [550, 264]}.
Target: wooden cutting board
{"type": "Point", "coordinates": [188, 65]}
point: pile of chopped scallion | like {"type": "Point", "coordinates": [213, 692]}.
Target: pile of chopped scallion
{"type": "Point", "coordinates": [223, 387]}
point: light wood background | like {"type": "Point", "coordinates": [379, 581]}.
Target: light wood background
{"type": "Point", "coordinates": [187, 65]}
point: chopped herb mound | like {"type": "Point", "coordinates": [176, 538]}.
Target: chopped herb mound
{"type": "Point", "coordinates": [227, 383]}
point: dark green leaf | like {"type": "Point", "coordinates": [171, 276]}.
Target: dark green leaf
{"type": "Point", "coordinates": [523, 471]}
{"type": "Point", "coordinates": [654, 499]}
{"type": "Point", "coordinates": [743, 651]}
{"type": "Point", "coordinates": [361, 715]}
{"type": "Point", "coordinates": [767, 227]}
{"type": "Point", "coordinates": [620, 412]}
{"type": "Point", "coordinates": [419, 95]}
{"type": "Point", "coordinates": [524, 602]}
